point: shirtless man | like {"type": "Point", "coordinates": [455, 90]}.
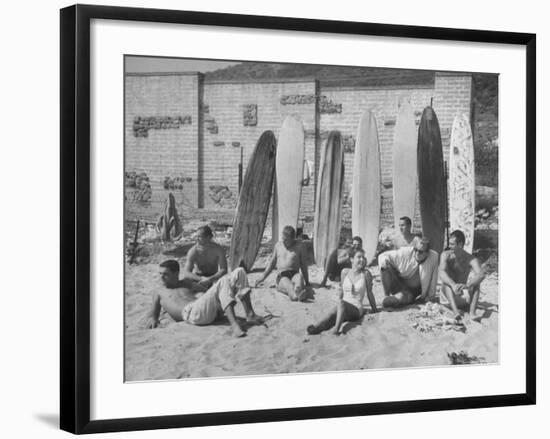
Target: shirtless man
{"type": "Point", "coordinates": [408, 274]}
{"type": "Point", "coordinates": [454, 270]}
{"type": "Point", "coordinates": [206, 262]}
{"type": "Point", "coordinates": [289, 258]}
{"type": "Point", "coordinates": [340, 259]}
{"type": "Point", "coordinates": [179, 301]}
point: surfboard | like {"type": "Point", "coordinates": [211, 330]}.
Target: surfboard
{"type": "Point", "coordinates": [253, 203]}
{"type": "Point", "coordinates": [289, 171]}
{"type": "Point", "coordinates": [431, 180]}
{"type": "Point", "coordinates": [275, 214]}
{"type": "Point", "coordinates": [404, 164]}
{"type": "Point", "coordinates": [365, 206]}
{"type": "Point", "coordinates": [462, 180]}
{"type": "Point", "coordinates": [328, 200]}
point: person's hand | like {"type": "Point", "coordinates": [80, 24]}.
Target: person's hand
{"type": "Point", "coordinates": [258, 283]}
{"type": "Point", "coordinates": [205, 282]}
{"type": "Point", "coordinates": [458, 289]}
{"type": "Point", "coordinates": [150, 323]}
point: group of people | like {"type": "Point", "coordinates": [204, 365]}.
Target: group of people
{"type": "Point", "coordinates": [409, 273]}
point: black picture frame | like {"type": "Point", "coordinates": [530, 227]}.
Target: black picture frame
{"type": "Point", "coordinates": [75, 218]}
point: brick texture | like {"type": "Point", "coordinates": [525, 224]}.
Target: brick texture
{"type": "Point", "coordinates": [209, 149]}
{"type": "Point", "coordinates": [166, 152]}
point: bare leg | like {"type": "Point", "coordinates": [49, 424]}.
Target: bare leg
{"type": "Point", "coordinates": [299, 285]}
{"type": "Point", "coordinates": [286, 286]}
{"type": "Point", "coordinates": [340, 316]}
{"type": "Point", "coordinates": [447, 290]}
{"type": "Point", "coordinates": [325, 323]}
{"type": "Point", "coordinates": [330, 267]}
{"type": "Point", "coordinates": [251, 316]}
{"type": "Point", "coordinates": [230, 313]}
{"type": "Point", "coordinates": [474, 298]}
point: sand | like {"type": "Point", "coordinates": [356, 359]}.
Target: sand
{"type": "Point", "coordinates": [387, 339]}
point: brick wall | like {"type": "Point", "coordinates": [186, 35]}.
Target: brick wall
{"type": "Point", "coordinates": [158, 142]}
{"type": "Point", "coordinates": [384, 104]}
{"type": "Point", "coordinates": [228, 115]}
{"type": "Point", "coordinates": [452, 95]}
{"type": "Point", "coordinates": [224, 105]}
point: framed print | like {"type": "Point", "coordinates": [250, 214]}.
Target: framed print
{"type": "Point", "coordinates": [287, 208]}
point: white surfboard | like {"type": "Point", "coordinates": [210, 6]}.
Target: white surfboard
{"type": "Point", "coordinates": [405, 175]}
{"type": "Point", "coordinates": [461, 185]}
{"type": "Point", "coordinates": [365, 212]}
{"type": "Point", "coordinates": [289, 170]}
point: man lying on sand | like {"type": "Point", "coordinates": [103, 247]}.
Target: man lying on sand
{"type": "Point", "coordinates": [340, 259]}
{"type": "Point", "coordinates": [206, 262]}
{"type": "Point", "coordinates": [178, 300]}
{"type": "Point", "coordinates": [454, 270]}
{"type": "Point", "coordinates": [409, 273]}
{"type": "Point", "coordinates": [289, 257]}
{"type": "Point", "coordinates": [356, 282]}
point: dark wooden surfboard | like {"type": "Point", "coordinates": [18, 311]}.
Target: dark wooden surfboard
{"type": "Point", "coordinates": [253, 204]}
{"type": "Point", "coordinates": [431, 180]}
{"type": "Point", "coordinates": [328, 203]}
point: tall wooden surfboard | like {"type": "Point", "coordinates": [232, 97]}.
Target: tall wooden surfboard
{"type": "Point", "coordinates": [253, 204]}
{"type": "Point", "coordinates": [328, 202]}
{"type": "Point", "coordinates": [290, 171]}
{"type": "Point", "coordinates": [431, 180]}
{"type": "Point", "coordinates": [365, 207]}
{"type": "Point", "coordinates": [462, 180]}
{"type": "Point", "coordinates": [405, 174]}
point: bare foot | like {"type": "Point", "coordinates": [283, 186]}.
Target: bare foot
{"type": "Point", "coordinates": [335, 331]}
{"type": "Point", "coordinates": [254, 319]}
{"type": "Point", "coordinates": [238, 333]}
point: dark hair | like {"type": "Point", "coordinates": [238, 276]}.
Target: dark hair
{"type": "Point", "coordinates": [459, 236]}
{"type": "Point", "coordinates": [357, 238]}
{"type": "Point", "coordinates": [205, 231]}
{"type": "Point", "coordinates": [172, 265]}
{"type": "Point", "coordinates": [289, 230]}
{"type": "Point", "coordinates": [406, 219]}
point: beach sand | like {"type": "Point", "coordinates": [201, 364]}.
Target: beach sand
{"type": "Point", "coordinates": [414, 336]}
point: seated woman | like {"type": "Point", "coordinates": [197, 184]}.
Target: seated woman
{"type": "Point", "coordinates": [355, 283]}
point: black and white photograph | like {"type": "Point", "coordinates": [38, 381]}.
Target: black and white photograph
{"type": "Point", "coordinates": [275, 219]}
{"type": "Point", "coordinates": [285, 218]}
